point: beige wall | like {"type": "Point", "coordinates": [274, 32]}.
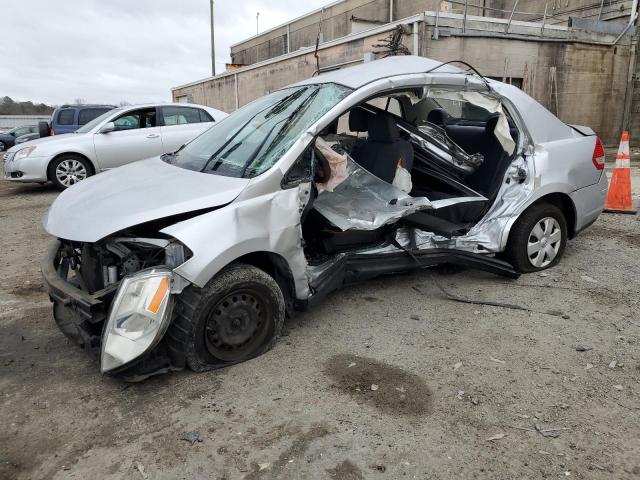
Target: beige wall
{"type": "Point", "coordinates": [337, 20]}
{"type": "Point", "coordinates": [336, 23]}
{"type": "Point", "coordinates": [590, 79]}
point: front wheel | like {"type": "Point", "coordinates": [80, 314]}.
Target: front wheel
{"type": "Point", "coordinates": [237, 316]}
{"type": "Point", "coordinates": [68, 170]}
{"type": "Point", "coordinates": [538, 239]}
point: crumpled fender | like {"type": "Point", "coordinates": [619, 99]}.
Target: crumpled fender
{"type": "Point", "coordinates": [266, 223]}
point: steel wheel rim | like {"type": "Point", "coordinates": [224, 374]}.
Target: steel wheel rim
{"type": "Point", "coordinates": [237, 325]}
{"type": "Point", "coordinates": [544, 242]}
{"type": "Point", "coordinates": [69, 172]}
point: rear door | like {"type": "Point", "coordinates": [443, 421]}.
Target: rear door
{"type": "Point", "coordinates": [182, 124]}
{"type": "Point", "coordinates": [136, 137]}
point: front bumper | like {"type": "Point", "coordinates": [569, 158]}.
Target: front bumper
{"type": "Point", "coordinates": [81, 317]}
{"type": "Point", "coordinates": [30, 169]}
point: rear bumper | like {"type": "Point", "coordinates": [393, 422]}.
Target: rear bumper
{"type": "Point", "coordinates": [589, 202]}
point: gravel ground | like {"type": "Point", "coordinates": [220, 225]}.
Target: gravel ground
{"type": "Point", "coordinates": [388, 379]}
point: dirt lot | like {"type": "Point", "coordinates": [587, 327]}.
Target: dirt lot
{"type": "Point", "coordinates": [463, 391]}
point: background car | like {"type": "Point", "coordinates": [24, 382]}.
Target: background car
{"type": "Point", "coordinates": [27, 138]}
{"type": "Point", "coordinates": [8, 138]}
{"type": "Point", "coordinates": [119, 136]}
{"type": "Point", "coordinates": [69, 118]}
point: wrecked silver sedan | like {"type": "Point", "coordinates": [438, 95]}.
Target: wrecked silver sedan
{"type": "Point", "coordinates": [193, 259]}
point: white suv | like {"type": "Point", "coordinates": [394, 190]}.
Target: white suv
{"type": "Point", "coordinates": [120, 136]}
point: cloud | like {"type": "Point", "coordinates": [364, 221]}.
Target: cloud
{"type": "Point", "coordinates": [124, 50]}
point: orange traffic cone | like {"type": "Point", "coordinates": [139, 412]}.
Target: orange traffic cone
{"type": "Point", "coordinates": [619, 198]}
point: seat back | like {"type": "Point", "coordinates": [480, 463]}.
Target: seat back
{"type": "Point", "coordinates": [384, 149]}
{"type": "Point", "coordinates": [489, 175]}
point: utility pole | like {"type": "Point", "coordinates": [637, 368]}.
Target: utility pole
{"type": "Point", "coordinates": [213, 40]}
{"type": "Point", "coordinates": [257, 18]}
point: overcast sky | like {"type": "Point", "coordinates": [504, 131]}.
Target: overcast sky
{"type": "Point", "coordinates": [108, 51]}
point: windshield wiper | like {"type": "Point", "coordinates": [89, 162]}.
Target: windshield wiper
{"type": "Point", "coordinates": [278, 107]}
{"type": "Point", "coordinates": [288, 121]}
{"type": "Point", "coordinates": [258, 148]}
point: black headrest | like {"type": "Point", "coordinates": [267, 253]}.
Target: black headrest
{"type": "Point", "coordinates": [359, 120]}
{"type": "Point", "coordinates": [383, 129]}
{"type": "Point", "coordinates": [492, 123]}
{"type": "Point", "coordinates": [438, 117]}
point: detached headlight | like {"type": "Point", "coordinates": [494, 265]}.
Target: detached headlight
{"type": "Point", "coordinates": [24, 152]}
{"type": "Point", "coordinates": [138, 319]}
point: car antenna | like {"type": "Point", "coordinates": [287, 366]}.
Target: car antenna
{"type": "Point", "coordinates": [315, 53]}
{"type": "Point", "coordinates": [468, 65]}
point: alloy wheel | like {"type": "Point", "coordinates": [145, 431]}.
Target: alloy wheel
{"type": "Point", "coordinates": [544, 243]}
{"type": "Point", "coordinates": [71, 171]}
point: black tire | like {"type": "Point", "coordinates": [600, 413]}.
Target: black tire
{"type": "Point", "coordinates": [237, 316]}
{"type": "Point", "coordinates": [522, 232]}
{"type": "Point", "coordinates": [53, 167]}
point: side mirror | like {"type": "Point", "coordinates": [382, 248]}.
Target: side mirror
{"type": "Point", "coordinates": [107, 127]}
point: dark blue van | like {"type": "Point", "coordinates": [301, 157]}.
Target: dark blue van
{"type": "Point", "coordinates": [69, 118]}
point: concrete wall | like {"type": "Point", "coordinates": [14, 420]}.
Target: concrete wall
{"type": "Point", "coordinates": [589, 86]}
{"type": "Point", "coordinates": [336, 23]}
{"type": "Point", "coordinates": [561, 9]}
{"type": "Point", "coordinates": [590, 79]}
{"type": "Point", "coordinates": [337, 20]}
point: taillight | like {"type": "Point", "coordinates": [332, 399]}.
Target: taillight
{"type": "Point", "coordinates": [52, 131]}
{"type": "Point", "coordinates": [598, 155]}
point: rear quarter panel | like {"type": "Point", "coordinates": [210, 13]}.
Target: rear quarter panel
{"type": "Point", "coordinates": [567, 161]}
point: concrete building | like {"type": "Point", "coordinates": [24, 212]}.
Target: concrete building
{"type": "Point", "coordinates": [577, 57]}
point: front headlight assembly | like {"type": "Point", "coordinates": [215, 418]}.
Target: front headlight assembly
{"type": "Point", "coordinates": [139, 318]}
{"type": "Point", "coordinates": [24, 152]}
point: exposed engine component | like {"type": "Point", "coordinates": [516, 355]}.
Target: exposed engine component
{"type": "Point", "coordinates": [95, 266]}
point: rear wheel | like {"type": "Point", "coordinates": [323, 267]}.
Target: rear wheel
{"type": "Point", "coordinates": [68, 170]}
{"type": "Point", "coordinates": [538, 239]}
{"type": "Point", "coordinates": [237, 316]}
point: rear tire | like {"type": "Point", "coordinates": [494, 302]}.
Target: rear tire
{"type": "Point", "coordinates": [538, 238]}
{"type": "Point", "coordinates": [67, 170]}
{"type": "Point", "coordinates": [237, 316]}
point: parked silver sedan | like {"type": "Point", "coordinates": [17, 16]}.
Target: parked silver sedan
{"type": "Point", "coordinates": [193, 259]}
{"type": "Point", "coordinates": [117, 137]}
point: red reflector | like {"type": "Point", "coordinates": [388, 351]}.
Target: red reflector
{"type": "Point", "coordinates": [52, 132]}
{"type": "Point", "coordinates": [598, 155]}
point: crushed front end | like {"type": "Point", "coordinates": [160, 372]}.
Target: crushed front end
{"type": "Point", "coordinates": [115, 297]}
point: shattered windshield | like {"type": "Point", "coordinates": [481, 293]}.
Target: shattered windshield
{"type": "Point", "coordinates": [253, 139]}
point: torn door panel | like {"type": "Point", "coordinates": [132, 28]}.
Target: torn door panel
{"type": "Point", "coordinates": [365, 202]}
{"type": "Point", "coordinates": [270, 223]}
